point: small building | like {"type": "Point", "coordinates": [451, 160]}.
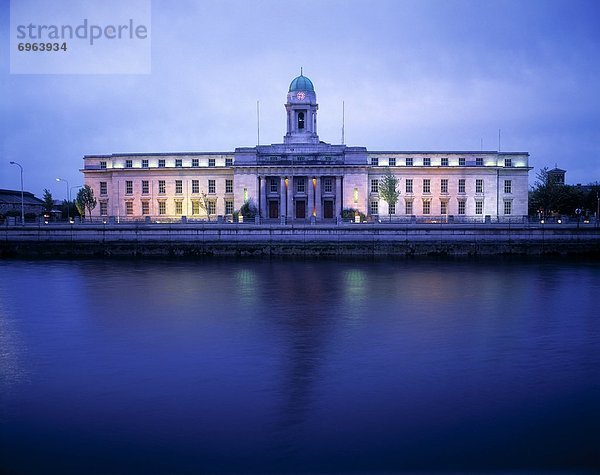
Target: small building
{"type": "Point", "coordinates": [10, 202]}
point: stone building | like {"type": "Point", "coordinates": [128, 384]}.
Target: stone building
{"type": "Point", "coordinates": [304, 177]}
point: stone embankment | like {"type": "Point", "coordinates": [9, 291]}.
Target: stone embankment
{"type": "Point", "coordinates": [81, 240]}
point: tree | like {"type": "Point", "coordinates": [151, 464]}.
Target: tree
{"type": "Point", "coordinates": [248, 210]}
{"type": "Point", "coordinates": [48, 202]}
{"type": "Point", "coordinates": [203, 204]}
{"type": "Point", "coordinates": [85, 201]}
{"type": "Point", "coordinates": [388, 189]}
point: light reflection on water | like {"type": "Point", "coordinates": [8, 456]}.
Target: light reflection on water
{"type": "Point", "coordinates": [255, 366]}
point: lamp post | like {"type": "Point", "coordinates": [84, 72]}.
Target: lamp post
{"type": "Point", "coordinates": [22, 201]}
{"type": "Point", "coordinates": [68, 198]}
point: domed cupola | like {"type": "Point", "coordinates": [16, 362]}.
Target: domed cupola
{"type": "Point", "coordinates": [301, 110]}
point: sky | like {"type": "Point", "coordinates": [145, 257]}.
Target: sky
{"type": "Point", "coordinates": [413, 75]}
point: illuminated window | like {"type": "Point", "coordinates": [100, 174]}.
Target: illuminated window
{"type": "Point", "coordinates": [392, 208]}
{"type": "Point", "coordinates": [212, 207]}
{"type": "Point", "coordinates": [444, 185]}
{"type": "Point", "coordinates": [195, 162]}
{"type": "Point", "coordinates": [129, 208]}
{"type": "Point", "coordinates": [195, 186]}
{"type": "Point", "coordinates": [479, 161]}
{"type": "Point", "coordinates": [145, 163]}
{"type": "Point", "coordinates": [178, 186]}
{"type": "Point", "coordinates": [102, 165]}
{"type": "Point", "coordinates": [355, 195]}
{"type": "Point", "coordinates": [508, 207]}
{"type": "Point", "coordinates": [443, 207]}
{"type": "Point", "coordinates": [479, 186]}
{"type": "Point", "coordinates": [195, 207]}
{"type": "Point", "coordinates": [427, 162]}
{"type": "Point", "coordinates": [374, 186]}
{"type": "Point", "coordinates": [479, 207]}
{"type": "Point", "coordinates": [392, 163]}
{"type": "Point", "coordinates": [461, 185]}
{"type": "Point", "coordinates": [300, 120]}
{"type": "Point", "coordinates": [162, 207]}
{"type": "Point", "coordinates": [103, 188]}
{"type": "Point", "coordinates": [409, 185]}
{"type": "Point", "coordinates": [409, 162]}
{"type": "Point", "coordinates": [444, 162]}
{"type": "Point", "coordinates": [245, 194]}
{"type": "Point", "coordinates": [178, 162]}
{"type": "Point", "coordinates": [507, 186]}
{"type": "Point", "coordinates": [162, 187]}
{"type": "Point", "coordinates": [211, 162]}
{"type": "Point", "coordinates": [426, 185]}
{"type": "Point", "coordinates": [229, 162]}
{"type": "Point", "coordinates": [508, 163]}
{"type": "Point", "coordinates": [161, 163]}
{"type": "Point", "coordinates": [103, 208]}
{"type": "Point", "coordinates": [178, 207]}
{"type": "Point", "coordinates": [228, 206]}
{"type": "Point", "coordinates": [212, 186]}
{"type": "Point", "coordinates": [374, 208]}
{"type": "Point", "coordinates": [228, 186]}
{"type": "Point", "coordinates": [461, 161]}
{"type": "Point", "coordinates": [426, 207]}
{"type": "Point", "coordinates": [375, 161]}
{"type": "Point", "coordinates": [128, 163]}
{"type": "Point", "coordinates": [129, 187]}
{"type": "Point", "coordinates": [408, 207]}
{"type": "Point", "coordinates": [145, 207]}
{"type": "Point", "coordinates": [145, 187]}
{"type": "Point", "coordinates": [461, 207]}
{"type": "Point", "coordinates": [327, 185]}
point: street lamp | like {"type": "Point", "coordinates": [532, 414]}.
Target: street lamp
{"type": "Point", "coordinates": [68, 198]}
{"type": "Point", "coordinates": [22, 201]}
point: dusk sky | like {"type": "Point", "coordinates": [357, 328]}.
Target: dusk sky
{"type": "Point", "coordinates": [414, 75]}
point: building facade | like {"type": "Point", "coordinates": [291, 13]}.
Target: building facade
{"type": "Point", "coordinates": [306, 179]}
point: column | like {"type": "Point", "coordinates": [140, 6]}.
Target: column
{"type": "Point", "coordinates": [338, 197]}
{"type": "Point", "coordinates": [310, 193]}
{"type": "Point", "coordinates": [262, 183]}
{"type": "Point", "coordinates": [290, 198]}
{"type": "Point", "coordinates": [319, 199]}
{"type": "Point", "coordinates": [282, 197]}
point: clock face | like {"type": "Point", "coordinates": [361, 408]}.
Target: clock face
{"type": "Point", "coordinates": [300, 95]}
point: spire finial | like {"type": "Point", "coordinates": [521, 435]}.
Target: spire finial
{"type": "Point", "coordinates": [300, 70]}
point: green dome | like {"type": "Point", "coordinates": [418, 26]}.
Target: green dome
{"type": "Point", "coordinates": [301, 83]}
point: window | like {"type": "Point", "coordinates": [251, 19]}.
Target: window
{"type": "Point", "coordinates": [427, 162]}
{"type": "Point", "coordinates": [211, 162]}
{"type": "Point", "coordinates": [145, 163]}
{"type": "Point", "coordinates": [409, 162]}
{"type": "Point", "coordinates": [178, 186]}
{"type": "Point", "coordinates": [426, 206]}
{"type": "Point", "coordinates": [508, 207]}
{"type": "Point", "coordinates": [103, 188]}
{"type": "Point", "coordinates": [195, 162]}
{"type": "Point", "coordinates": [145, 187]}
{"type": "Point", "coordinates": [374, 161]}
{"type": "Point", "coordinates": [392, 163]}
{"type": "Point", "coordinates": [461, 185]}
{"type": "Point", "coordinates": [145, 207]}
{"type": "Point", "coordinates": [178, 162]}
{"type": "Point", "coordinates": [212, 187]}
{"type": "Point", "coordinates": [409, 185]}
{"type": "Point", "coordinates": [408, 207]}
{"type": "Point", "coordinates": [444, 162]}
{"type": "Point", "coordinates": [161, 163]}
{"type": "Point", "coordinates": [179, 207]}
{"type": "Point", "coordinates": [128, 163]}
{"type": "Point", "coordinates": [129, 187]}
{"type": "Point", "coordinates": [195, 207]}
{"type": "Point", "coordinates": [228, 206]}
{"type": "Point", "coordinates": [444, 185]}
{"type": "Point", "coordinates": [245, 194]}
{"type": "Point", "coordinates": [355, 195]}
{"type": "Point", "coordinates": [300, 185]}
{"type": "Point", "coordinates": [479, 207]}
{"type": "Point", "coordinates": [274, 185]}
{"type": "Point", "coordinates": [508, 162]}
{"type": "Point", "coordinates": [374, 208]}
{"type": "Point", "coordinates": [507, 186]}
{"type": "Point", "coordinates": [102, 165]}
{"type": "Point", "coordinates": [443, 207]}
{"type": "Point", "coordinates": [229, 162]}
{"type": "Point", "coordinates": [461, 207]}
{"type": "Point", "coordinates": [162, 187]}
{"type": "Point", "coordinates": [327, 185]}
{"type": "Point", "coordinates": [195, 186]}
{"type": "Point", "coordinates": [374, 186]}
{"type": "Point", "coordinates": [479, 186]}
{"type": "Point", "coordinates": [392, 208]}
{"type": "Point", "coordinates": [212, 207]}
{"type": "Point", "coordinates": [103, 208]}
{"type": "Point", "coordinates": [300, 120]}
{"type": "Point", "coordinates": [461, 162]}
{"type": "Point", "coordinates": [162, 207]}
{"type": "Point", "coordinates": [479, 161]}
{"type": "Point", "coordinates": [426, 185]}
{"type": "Point", "coordinates": [129, 208]}
{"type": "Point", "coordinates": [228, 186]}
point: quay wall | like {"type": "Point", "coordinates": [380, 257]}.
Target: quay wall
{"type": "Point", "coordinates": [138, 239]}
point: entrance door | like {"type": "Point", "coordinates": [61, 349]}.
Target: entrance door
{"type": "Point", "coordinates": [273, 209]}
{"type": "Point", "coordinates": [328, 209]}
{"type": "Point", "coordinates": [300, 209]}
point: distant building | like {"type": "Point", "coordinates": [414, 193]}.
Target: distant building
{"type": "Point", "coordinates": [556, 176]}
{"type": "Point", "coordinates": [10, 200]}
{"type": "Point", "coordinates": [304, 177]}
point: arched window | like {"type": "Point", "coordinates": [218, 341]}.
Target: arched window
{"type": "Point", "coordinates": [300, 120]}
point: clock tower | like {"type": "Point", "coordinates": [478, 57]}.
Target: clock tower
{"type": "Point", "coordinates": [301, 108]}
